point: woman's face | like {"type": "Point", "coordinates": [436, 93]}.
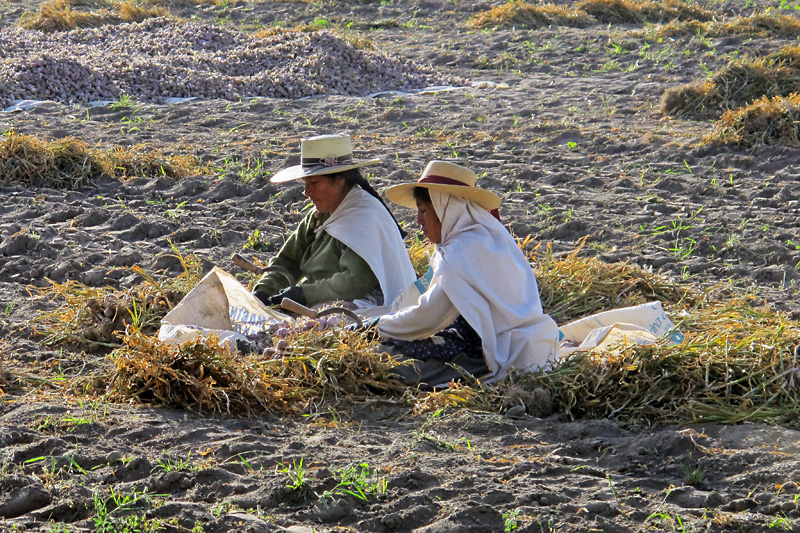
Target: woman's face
{"type": "Point", "coordinates": [428, 221]}
{"type": "Point", "coordinates": [325, 192]}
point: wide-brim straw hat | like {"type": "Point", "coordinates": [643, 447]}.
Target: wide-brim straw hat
{"type": "Point", "coordinates": [323, 154]}
{"type": "Point", "coordinates": [448, 178]}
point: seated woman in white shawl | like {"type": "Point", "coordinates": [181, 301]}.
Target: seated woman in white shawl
{"type": "Point", "coordinates": [349, 247]}
{"type": "Point", "coordinates": [481, 311]}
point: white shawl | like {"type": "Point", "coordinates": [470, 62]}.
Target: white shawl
{"type": "Point", "coordinates": [364, 225]}
{"type": "Point", "coordinates": [485, 275]}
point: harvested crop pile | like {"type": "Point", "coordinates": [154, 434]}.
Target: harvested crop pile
{"type": "Point", "coordinates": [763, 25]}
{"type": "Point", "coordinates": [520, 14]}
{"type": "Point", "coordinates": [773, 121]}
{"type": "Point", "coordinates": [97, 318]}
{"type": "Point", "coordinates": [72, 164]}
{"type": "Point", "coordinates": [200, 375]}
{"type": "Point", "coordinates": [625, 11]}
{"type": "Point", "coordinates": [161, 58]}
{"type": "Point", "coordinates": [739, 83]}
{"type": "Point", "coordinates": [58, 15]}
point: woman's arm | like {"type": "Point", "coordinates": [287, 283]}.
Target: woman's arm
{"type": "Point", "coordinates": [433, 312]}
{"type": "Point", "coordinates": [353, 279]}
{"type": "Point", "coordinates": [289, 257]}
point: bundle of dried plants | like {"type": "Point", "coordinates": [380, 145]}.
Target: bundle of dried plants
{"type": "Point", "coordinates": [774, 121]}
{"type": "Point", "coordinates": [59, 15]}
{"type": "Point", "coordinates": [319, 369]}
{"type": "Point", "coordinates": [739, 83]}
{"type": "Point", "coordinates": [96, 318]}
{"type": "Point", "coordinates": [520, 14]}
{"type": "Point", "coordinates": [70, 163]}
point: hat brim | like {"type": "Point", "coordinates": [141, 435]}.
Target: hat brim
{"type": "Point", "coordinates": [299, 171]}
{"type": "Point", "coordinates": [403, 194]}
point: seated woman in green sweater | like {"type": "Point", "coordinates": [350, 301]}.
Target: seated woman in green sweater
{"type": "Point", "coordinates": [349, 247]}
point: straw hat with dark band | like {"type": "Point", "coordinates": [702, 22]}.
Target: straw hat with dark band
{"type": "Point", "coordinates": [448, 178]}
{"type": "Point", "coordinates": [323, 154]}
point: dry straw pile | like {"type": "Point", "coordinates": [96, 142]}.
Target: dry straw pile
{"type": "Point", "coordinates": [97, 318]}
{"type": "Point", "coordinates": [739, 361]}
{"type": "Point", "coordinates": [642, 11]}
{"type": "Point", "coordinates": [574, 286]}
{"type": "Point", "coordinates": [762, 25]}
{"type": "Point", "coordinates": [59, 15]}
{"type": "Point", "coordinates": [741, 82]}
{"type": "Point", "coordinates": [70, 163]}
{"type": "Point", "coordinates": [774, 121]}
{"type": "Point", "coordinates": [521, 14]}
{"type": "Point", "coordinates": [318, 370]}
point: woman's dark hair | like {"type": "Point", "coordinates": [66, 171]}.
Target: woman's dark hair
{"type": "Point", "coordinates": [352, 178]}
{"type": "Point", "coordinates": [422, 194]}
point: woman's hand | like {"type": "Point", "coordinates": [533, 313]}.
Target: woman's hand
{"type": "Point", "coordinates": [295, 292]}
{"type": "Point", "coordinates": [367, 328]}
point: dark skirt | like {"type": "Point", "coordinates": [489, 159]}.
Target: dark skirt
{"type": "Point", "coordinates": [438, 360]}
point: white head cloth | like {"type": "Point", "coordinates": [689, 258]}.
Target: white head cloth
{"type": "Point", "coordinates": [490, 282]}
{"type": "Point", "coordinates": [364, 225]}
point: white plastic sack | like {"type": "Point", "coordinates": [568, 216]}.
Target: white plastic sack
{"type": "Point", "coordinates": [640, 324]}
{"type": "Point", "coordinates": [221, 306]}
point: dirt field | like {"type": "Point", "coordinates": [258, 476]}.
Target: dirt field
{"type": "Point", "coordinates": [565, 126]}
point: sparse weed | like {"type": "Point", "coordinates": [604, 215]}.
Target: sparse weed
{"type": "Point", "coordinates": [255, 243]}
{"type": "Point", "coordinates": [683, 247]}
{"type": "Point", "coordinates": [426, 433]}
{"type": "Point", "coordinates": [178, 211]}
{"type": "Point", "coordinates": [110, 513]}
{"type": "Point", "coordinates": [170, 464]}
{"type": "Point", "coordinates": [297, 479]}
{"type": "Point", "coordinates": [511, 519]}
{"type": "Point", "coordinates": [125, 102]}
{"type": "Point", "coordinates": [253, 171]}
{"type": "Point", "coordinates": [782, 523]}
{"type": "Point", "coordinates": [694, 476]}
{"type": "Point", "coordinates": [359, 481]}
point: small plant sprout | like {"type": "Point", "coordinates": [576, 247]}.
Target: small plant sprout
{"type": "Point", "coordinates": [136, 315]}
{"type": "Point", "coordinates": [296, 475]}
{"type": "Point", "coordinates": [170, 464]}
{"type": "Point", "coordinates": [694, 476]}
{"type": "Point", "coordinates": [613, 489]}
{"type": "Point", "coordinates": [781, 523]}
{"type": "Point", "coordinates": [255, 243]}
{"type": "Point", "coordinates": [242, 461]}
{"type": "Point", "coordinates": [359, 481]}
{"type": "Point", "coordinates": [108, 510]}
{"type": "Point", "coordinates": [511, 519]}
{"type": "Point", "coordinates": [178, 211]}
{"type": "Point", "coordinates": [125, 102]}
{"type": "Point", "coordinates": [683, 247]}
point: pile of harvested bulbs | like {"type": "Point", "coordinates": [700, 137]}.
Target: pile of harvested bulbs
{"type": "Point", "coordinates": [274, 338]}
{"type": "Point", "coordinates": [160, 58]}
